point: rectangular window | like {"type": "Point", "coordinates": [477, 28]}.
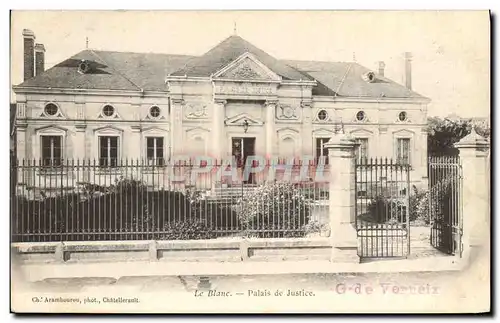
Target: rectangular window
{"type": "Point", "coordinates": [51, 150]}
{"type": "Point", "coordinates": [362, 149]}
{"type": "Point", "coordinates": [154, 151]}
{"type": "Point", "coordinates": [403, 151]}
{"type": "Point", "coordinates": [108, 151]}
{"type": "Point", "coordinates": [321, 150]}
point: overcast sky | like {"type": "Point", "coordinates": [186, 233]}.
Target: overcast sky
{"type": "Point", "coordinates": [450, 49]}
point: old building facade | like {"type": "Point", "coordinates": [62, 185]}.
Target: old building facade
{"type": "Point", "coordinates": [234, 100]}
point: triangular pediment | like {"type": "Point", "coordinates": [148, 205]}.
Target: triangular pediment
{"type": "Point", "coordinates": [108, 129]}
{"type": "Point", "coordinates": [246, 67]}
{"type": "Point", "coordinates": [362, 132]}
{"type": "Point", "coordinates": [51, 129]}
{"type": "Point", "coordinates": [239, 120]}
{"type": "Point", "coordinates": [154, 129]}
{"type": "Point", "coordinates": [403, 132]}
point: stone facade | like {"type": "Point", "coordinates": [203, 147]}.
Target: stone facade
{"type": "Point", "coordinates": [202, 115]}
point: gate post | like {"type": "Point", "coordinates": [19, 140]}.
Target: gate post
{"type": "Point", "coordinates": [342, 198]}
{"type": "Point", "coordinates": [474, 153]}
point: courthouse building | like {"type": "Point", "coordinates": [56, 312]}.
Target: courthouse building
{"type": "Point", "coordinates": [233, 100]}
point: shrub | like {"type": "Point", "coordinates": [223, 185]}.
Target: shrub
{"type": "Point", "coordinates": [127, 206]}
{"type": "Point", "coordinates": [193, 229]}
{"type": "Point", "coordinates": [216, 214]}
{"type": "Point", "coordinates": [315, 227]}
{"type": "Point", "coordinates": [419, 206]}
{"type": "Point", "coordinates": [274, 210]}
{"type": "Point", "coordinates": [384, 209]}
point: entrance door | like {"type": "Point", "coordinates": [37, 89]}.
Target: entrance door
{"type": "Point", "coordinates": [242, 148]}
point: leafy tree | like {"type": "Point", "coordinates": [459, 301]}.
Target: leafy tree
{"type": "Point", "coordinates": [444, 133]}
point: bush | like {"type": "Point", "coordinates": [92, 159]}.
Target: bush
{"type": "Point", "coordinates": [127, 206]}
{"type": "Point", "coordinates": [419, 206]}
{"type": "Point", "coordinates": [384, 209]}
{"type": "Point", "coordinates": [187, 230]}
{"type": "Point", "coordinates": [216, 214]}
{"type": "Point", "coordinates": [274, 210]}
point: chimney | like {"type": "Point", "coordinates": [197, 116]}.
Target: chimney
{"type": "Point", "coordinates": [39, 59]}
{"type": "Point", "coordinates": [407, 76]}
{"type": "Point", "coordinates": [29, 54]}
{"type": "Point", "coordinates": [381, 68]}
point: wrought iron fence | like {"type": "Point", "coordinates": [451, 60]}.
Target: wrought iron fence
{"type": "Point", "coordinates": [382, 208]}
{"type": "Point", "coordinates": [445, 203]}
{"type": "Point", "coordinates": [136, 200]}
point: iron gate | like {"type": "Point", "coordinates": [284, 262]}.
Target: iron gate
{"type": "Point", "coordinates": [445, 204]}
{"type": "Point", "coordinates": [382, 208]}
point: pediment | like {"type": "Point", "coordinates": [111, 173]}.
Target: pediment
{"type": "Point", "coordinates": [239, 119]}
{"type": "Point", "coordinates": [51, 129]}
{"type": "Point", "coordinates": [324, 130]}
{"type": "Point", "coordinates": [246, 67]}
{"type": "Point", "coordinates": [403, 132]}
{"type": "Point", "coordinates": [154, 129]}
{"type": "Point", "coordinates": [108, 129]}
{"type": "Point", "coordinates": [361, 132]}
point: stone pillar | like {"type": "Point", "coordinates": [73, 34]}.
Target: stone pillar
{"type": "Point", "coordinates": [474, 155]}
{"type": "Point", "coordinates": [341, 148]}
{"type": "Point", "coordinates": [424, 158]}
{"type": "Point", "coordinates": [218, 128]}
{"type": "Point", "coordinates": [176, 136]}
{"type": "Point", "coordinates": [270, 127]}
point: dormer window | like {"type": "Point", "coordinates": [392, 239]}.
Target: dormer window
{"type": "Point", "coordinates": [83, 67]}
{"type": "Point", "coordinates": [51, 109]}
{"type": "Point", "coordinates": [108, 110]}
{"type": "Point", "coordinates": [369, 77]}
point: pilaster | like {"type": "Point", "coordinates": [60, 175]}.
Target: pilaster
{"type": "Point", "coordinates": [176, 139]}
{"type": "Point", "coordinates": [307, 117]}
{"type": "Point", "coordinates": [270, 127]}
{"type": "Point", "coordinates": [218, 128]}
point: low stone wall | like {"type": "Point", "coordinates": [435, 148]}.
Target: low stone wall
{"type": "Point", "coordinates": [230, 250]}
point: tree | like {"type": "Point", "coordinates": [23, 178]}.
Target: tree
{"type": "Point", "coordinates": [444, 133]}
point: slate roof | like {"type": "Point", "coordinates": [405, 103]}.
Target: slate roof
{"type": "Point", "coordinates": [110, 70]}
{"type": "Point", "coordinates": [345, 79]}
{"type": "Point", "coordinates": [230, 49]}
{"type": "Point", "coordinates": [147, 71]}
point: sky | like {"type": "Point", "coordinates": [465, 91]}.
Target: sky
{"type": "Point", "coordinates": [451, 49]}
